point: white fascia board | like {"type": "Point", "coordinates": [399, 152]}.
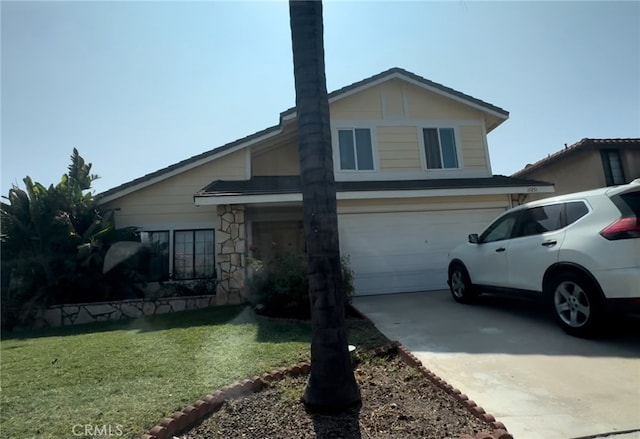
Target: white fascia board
{"type": "Point", "coordinates": [190, 166]}
{"type": "Point", "coordinates": [362, 195]}
{"type": "Point", "coordinates": [368, 195]}
{"type": "Point", "coordinates": [246, 199]}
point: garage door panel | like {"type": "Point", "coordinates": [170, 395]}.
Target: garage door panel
{"type": "Point", "coordinates": [405, 251]}
{"type": "Point", "coordinates": [396, 282]}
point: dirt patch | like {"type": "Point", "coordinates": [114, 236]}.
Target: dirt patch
{"type": "Point", "coordinates": [397, 402]}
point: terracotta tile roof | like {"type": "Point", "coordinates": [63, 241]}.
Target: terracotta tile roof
{"type": "Point", "coordinates": [578, 146]}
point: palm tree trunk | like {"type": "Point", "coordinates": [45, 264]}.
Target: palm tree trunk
{"type": "Point", "coordinates": [331, 383]}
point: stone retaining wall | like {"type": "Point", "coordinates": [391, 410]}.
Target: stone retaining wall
{"type": "Point", "coordinates": [79, 313]}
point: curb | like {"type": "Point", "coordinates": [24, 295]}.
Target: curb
{"type": "Point", "coordinates": [191, 415]}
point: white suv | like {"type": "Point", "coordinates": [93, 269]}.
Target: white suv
{"type": "Point", "coordinates": [581, 251]}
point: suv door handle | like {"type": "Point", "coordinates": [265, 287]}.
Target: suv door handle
{"type": "Point", "coordinates": [549, 243]}
{"type": "Point", "coordinates": [500, 249]}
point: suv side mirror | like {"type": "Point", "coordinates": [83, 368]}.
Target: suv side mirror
{"type": "Point", "coordinates": [473, 238]}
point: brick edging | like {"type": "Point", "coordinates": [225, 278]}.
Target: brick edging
{"type": "Point", "coordinates": [499, 430]}
{"type": "Point", "coordinates": [188, 417]}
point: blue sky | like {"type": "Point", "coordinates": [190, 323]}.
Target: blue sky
{"type": "Point", "coordinates": [138, 86]}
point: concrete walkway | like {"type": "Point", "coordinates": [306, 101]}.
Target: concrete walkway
{"type": "Point", "coordinates": [511, 358]}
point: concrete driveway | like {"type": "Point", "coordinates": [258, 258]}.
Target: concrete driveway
{"type": "Point", "coordinates": [510, 357]}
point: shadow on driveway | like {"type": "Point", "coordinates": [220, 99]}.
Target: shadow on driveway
{"type": "Point", "coordinates": [432, 321]}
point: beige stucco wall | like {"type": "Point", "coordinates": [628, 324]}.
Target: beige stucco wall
{"type": "Point", "coordinates": [170, 201]}
{"type": "Point", "coordinates": [365, 105]}
{"type": "Point", "coordinates": [581, 171]}
{"type": "Point", "coordinates": [425, 105]}
{"type": "Point", "coordinates": [393, 105]}
{"type": "Point", "coordinates": [280, 160]}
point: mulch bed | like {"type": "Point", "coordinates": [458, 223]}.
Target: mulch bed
{"type": "Point", "coordinates": [398, 401]}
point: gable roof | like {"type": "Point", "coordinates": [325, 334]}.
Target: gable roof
{"type": "Point", "coordinates": [290, 114]}
{"type": "Point", "coordinates": [582, 145]}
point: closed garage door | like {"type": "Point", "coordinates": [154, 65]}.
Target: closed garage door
{"type": "Point", "coordinates": [405, 251]}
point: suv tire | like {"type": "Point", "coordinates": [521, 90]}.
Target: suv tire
{"type": "Point", "coordinates": [460, 284]}
{"type": "Point", "coordinates": [577, 305]}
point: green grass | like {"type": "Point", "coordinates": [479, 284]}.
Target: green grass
{"type": "Point", "coordinates": [129, 375]}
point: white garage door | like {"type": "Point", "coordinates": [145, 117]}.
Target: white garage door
{"type": "Point", "coordinates": [405, 251]}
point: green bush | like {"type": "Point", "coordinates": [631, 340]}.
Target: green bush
{"type": "Point", "coordinates": [199, 287]}
{"type": "Point", "coordinates": [280, 288]}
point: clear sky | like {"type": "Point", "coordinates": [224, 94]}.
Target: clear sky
{"type": "Point", "coordinates": [138, 86]}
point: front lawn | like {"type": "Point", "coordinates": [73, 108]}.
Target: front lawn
{"type": "Point", "coordinates": [124, 377]}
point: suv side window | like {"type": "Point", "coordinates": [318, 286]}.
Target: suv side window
{"type": "Point", "coordinates": [500, 230]}
{"type": "Point", "coordinates": [575, 211]}
{"type": "Point", "coordinates": [541, 219]}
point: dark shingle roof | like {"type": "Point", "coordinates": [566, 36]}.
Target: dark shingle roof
{"type": "Point", "coordinates": [290, 112]}
{"type": "Point", "coordinates": [578, 146]}
{"type": "Point", "coordinates": [272, 185]}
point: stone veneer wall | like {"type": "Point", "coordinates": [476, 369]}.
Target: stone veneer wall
{"type": "Point", "coordinates": [231, 239]}
{"type": "Point", "coordinates": [76, 314]}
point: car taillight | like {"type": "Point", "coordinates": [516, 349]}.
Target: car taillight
{"type": "Point", "coordinates": [623, 228]}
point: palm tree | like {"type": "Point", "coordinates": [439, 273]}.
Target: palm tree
{"type": "Point", "coordinates": [331, 383]}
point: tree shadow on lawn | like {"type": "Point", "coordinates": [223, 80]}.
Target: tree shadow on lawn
{"type": "Point", "coordinates": [362, 333]}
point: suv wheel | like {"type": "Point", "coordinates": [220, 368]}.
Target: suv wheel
{"type": "Point", "coordinates": [460, 285]}
{"type": "Point", "coordinates": [576, 304]}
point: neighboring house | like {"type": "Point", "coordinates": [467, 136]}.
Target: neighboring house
{"type": "Point", "coordinates": [413, 179]}
{"type": "Point", "coordinates": [588, 164]}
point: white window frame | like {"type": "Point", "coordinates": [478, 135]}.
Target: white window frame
{"type": "Point", "coordinates": [336, 147]}
{"type": "Point", "coordinates": [423, 150]}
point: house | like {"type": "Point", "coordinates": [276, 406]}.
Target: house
{"type": "Point", "coordinates": [413, 178]}
{"type": "Point", "coordinates": [587, 164]}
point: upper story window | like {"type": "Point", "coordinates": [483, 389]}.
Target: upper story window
{"type": "Point", "coordinates": [440, 148]}
{"type": "Point", "coordinates": [356, 150]}
{"type": "Point", "coordinates": [612, 163]}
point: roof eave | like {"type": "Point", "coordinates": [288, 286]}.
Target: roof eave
{"type": "Point", "coordinates": [214, 200]}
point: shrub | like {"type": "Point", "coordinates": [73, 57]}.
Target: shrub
{"type": "Point", "coordinates": [280, 288]}
{"type": "Point", "coordinates": [199, 287]}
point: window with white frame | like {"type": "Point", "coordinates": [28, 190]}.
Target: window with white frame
{"type": "Point", "coordinates": [356, 149]}
{"type": "Point", "coordinates": [440, 148]}
{"type": "Point", "coordinates": [193, 254]}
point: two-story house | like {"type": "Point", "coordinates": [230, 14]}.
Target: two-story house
{"type": "Point", "coordinates": [413, 178]}
{"type": "Point", "coordinates": [587, 164]}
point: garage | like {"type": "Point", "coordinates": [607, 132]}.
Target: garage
{"type": "Point", "coordinates": [394, 252]}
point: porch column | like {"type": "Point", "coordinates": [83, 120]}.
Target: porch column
{"type": "Point", "coordinates": [231, 245]}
